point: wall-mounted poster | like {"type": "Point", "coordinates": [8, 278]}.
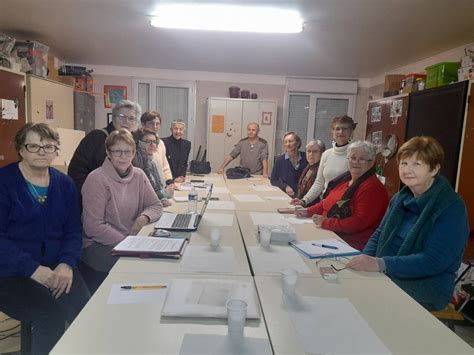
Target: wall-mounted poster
{"type": "Point", "coordinates": [396, 110]}
{"type": "Point", "coordinates": [376, 114]}
{"type": "Point", "coordinates": [217, 124]}
{"type": "Point", "coordinates": [267, 118]}
{"type": "Point", "coordinates": [377, 140]}
{"type": "Point", "coordinates": [49, 110]}
{"type": "Point", "coordinates": [113, 94]}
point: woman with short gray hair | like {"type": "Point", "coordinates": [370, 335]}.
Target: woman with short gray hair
{"type": "Point", "coordinates": [314, 149]}
{"type": "Point", "coordinates": [354, 203]}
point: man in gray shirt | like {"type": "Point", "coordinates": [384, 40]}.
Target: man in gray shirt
{"type": "Point", "coordinates": [253, 152]}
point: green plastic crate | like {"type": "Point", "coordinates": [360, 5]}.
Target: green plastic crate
{"type": "Point", "coordinates": [441, 74]}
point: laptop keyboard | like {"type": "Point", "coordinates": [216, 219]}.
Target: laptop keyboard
{"type": "Point", "coordinates": [181, 220]}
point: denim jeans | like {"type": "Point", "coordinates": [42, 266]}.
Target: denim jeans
{"type": "Point", "coordinates": [28, 301]}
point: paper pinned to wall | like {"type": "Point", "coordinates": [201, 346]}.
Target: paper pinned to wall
{"type": "Point", "coordinates": [340, 327]}
{"type": "Point", "coordinates": [8, 109]}
{"type": "Point", "coordinates": [217, 123]}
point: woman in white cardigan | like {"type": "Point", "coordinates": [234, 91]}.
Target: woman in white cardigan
{"type": "Point", "coordinates": [333, 161]}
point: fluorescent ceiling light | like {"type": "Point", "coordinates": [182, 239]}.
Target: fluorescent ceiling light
{"type": "Point", "coordinates": [228, 18]}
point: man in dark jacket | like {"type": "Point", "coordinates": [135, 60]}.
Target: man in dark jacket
{"type": "Point", "coordinates": [177, 150]}
{"type": "Point", "coordinates": [90, 154]}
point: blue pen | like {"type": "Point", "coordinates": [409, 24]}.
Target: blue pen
{"type": "Point", "coordinates": [325, 246]}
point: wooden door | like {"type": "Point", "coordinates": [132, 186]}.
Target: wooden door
{"type": "Point", "coordinates": [12, 87]}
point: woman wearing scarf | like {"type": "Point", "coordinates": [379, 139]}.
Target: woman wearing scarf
{"type": "Point", "coordinates": [355, 202]}
{"type": "Point", "coordinates": [147, 142]}
{"type": "Point", "coordinates": [314, 149]}
{"type": "Point", "coordinates": [421, 240]}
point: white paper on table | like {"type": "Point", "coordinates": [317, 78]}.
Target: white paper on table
{"type": "Point", "coordinates": [276, 258]}
{"type": "Point", "coordinates": [218, 219]}
{"type": "Point", "coordinates": [221, 205]}
{"type": "Point", "coordinates": [263, 188]}
{"type": "Point", "coordinates": [294, 220]}
{"type": "Point", "coordinates": [210, 344]}
{"type": "Point", "coordinates": [248, 198]}
{"type": "Point", "coordinates": [332, 325]}
{"type": "Point", "coordinates": [200, 187]}
{"type": "Point", "coordinates": [207, 259]}
{"type": "Point", "coordinates": [277, 198]}
{"type": "Point", "coordinates": [141, 296]}
{"type": "Point", "coordinates": [268, 218]}
{"type": "Point", "coordinates": [136, 243]}
{"type": "Point", "coordinates": [206, 298]}
{"type": "Point", "coordinates": [220, 190]}
{"type": "Point", "coordinates": [181, 198]}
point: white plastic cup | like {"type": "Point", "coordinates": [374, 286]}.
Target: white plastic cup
{"type": "Point", "coordinates": [236, 315]}
{"type": "Point", "coordinates": [289, 279]}
{"type": "Point", "coordinates": [215, 237]}
{"type": "Point", "coordinates": [265, 236]}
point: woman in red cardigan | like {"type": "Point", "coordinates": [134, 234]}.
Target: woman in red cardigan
{"type": "Point", "coordinates": [354, 202]}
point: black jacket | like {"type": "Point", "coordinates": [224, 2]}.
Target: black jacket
{"type": "Point", "coordinates": [89, 155]}
{"type": "Point", "coordinates": [177, 153]}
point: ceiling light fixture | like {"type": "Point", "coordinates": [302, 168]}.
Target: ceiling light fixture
{"type": "Point", "coordinates": [231, 18]}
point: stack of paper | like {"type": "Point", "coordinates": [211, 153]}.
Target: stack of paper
{"type": "Point", "coordinates": [143, 246]}
{"type": "Point", "coordinates": [207, 297]}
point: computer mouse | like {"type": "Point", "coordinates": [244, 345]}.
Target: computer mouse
{"type": "Point", "coordinates": [161, 233]}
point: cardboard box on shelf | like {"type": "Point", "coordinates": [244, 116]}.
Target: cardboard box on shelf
{"type": "Point", "coordinates": [392, 82]}
{"type": "Point", "coordinates": [69, 80]}
{"type": "Point", "coordinates": [80, 83]}
{"type": "Point", "coordinates": [53, 68]}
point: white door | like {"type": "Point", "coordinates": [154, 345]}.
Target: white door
{"type": "Point", "coordinates": [174, 100]}
{"type": "Point", "coordinates": [310, 115]}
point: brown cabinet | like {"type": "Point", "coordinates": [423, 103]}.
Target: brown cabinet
{"type": "Point", "coordinates": [12, 87]}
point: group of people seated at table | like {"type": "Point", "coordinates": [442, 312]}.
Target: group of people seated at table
{"type": "Point", "coordinates": [51, 261]}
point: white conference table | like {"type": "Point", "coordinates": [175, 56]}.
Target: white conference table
{"type": "Point", "coordinates": [230, 237]}
{"type": "Point", "coordinates": [397, 320]}
{"type": "Point", "coordinates": [103, 328]}
{"type": "Point", "coordinates": [402, 324]}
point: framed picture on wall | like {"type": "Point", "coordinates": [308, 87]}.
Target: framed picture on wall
{"type": "Point", "coordinates": [109, 117]}
{"type": "Point", "coordinates": [113, 94]}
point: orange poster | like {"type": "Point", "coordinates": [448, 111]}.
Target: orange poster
{"type": "Point", "coordinates": [217, 123]}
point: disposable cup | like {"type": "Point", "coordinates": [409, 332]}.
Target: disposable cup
{"type": "Point", "coordinates": [289, 279]}
{"type": "Point", "coordinates": [215, 237]}
{"type": "Point", "coordinates": [265, 236]}
{"type": "Point", "coordinates": [236, 315]}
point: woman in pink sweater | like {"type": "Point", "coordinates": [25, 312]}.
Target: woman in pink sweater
{"type": "Point", "coordinates": [118, 200]}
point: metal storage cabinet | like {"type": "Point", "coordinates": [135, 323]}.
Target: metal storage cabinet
{"type": "Point", "coordinates": [227, 124]}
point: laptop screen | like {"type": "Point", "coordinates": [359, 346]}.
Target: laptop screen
{"type": "Point", "coordinates": [204, 205]}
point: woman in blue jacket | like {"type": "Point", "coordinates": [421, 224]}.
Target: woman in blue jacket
{"type": "Point", "coordinates": [420, 241]}
{"type": "Point", "coordinates": [289, 166]}
{"type": "Point", "coordinates": [40, 239]}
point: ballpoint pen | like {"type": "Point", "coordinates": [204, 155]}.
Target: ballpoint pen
{"type": "Point", "coordinates": [325, 246]}
{"type": "Point", "coordinates": [142, 287]}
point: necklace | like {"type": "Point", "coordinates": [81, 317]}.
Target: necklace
{"type": "Point", "coordinates": [36, 194]}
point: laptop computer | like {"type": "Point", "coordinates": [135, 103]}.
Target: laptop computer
{"type": "Point", "coordinates": [185, 222]}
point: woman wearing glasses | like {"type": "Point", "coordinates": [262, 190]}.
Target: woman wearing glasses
{"type": "Point", "coordinates": [40, 239]}
{"type": "Point", "coordinates": [147, 142]}
{"type": "Point", "coordinates": [421, 240]}
{"type": "Point", "coordinates": [355, 202]}
{"type": "Point", "coordinates": [90, 153]}
{"type": "Point", "coordinates": [333, 161]}
{"type": "Point", "coordinates": [117, 200]}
